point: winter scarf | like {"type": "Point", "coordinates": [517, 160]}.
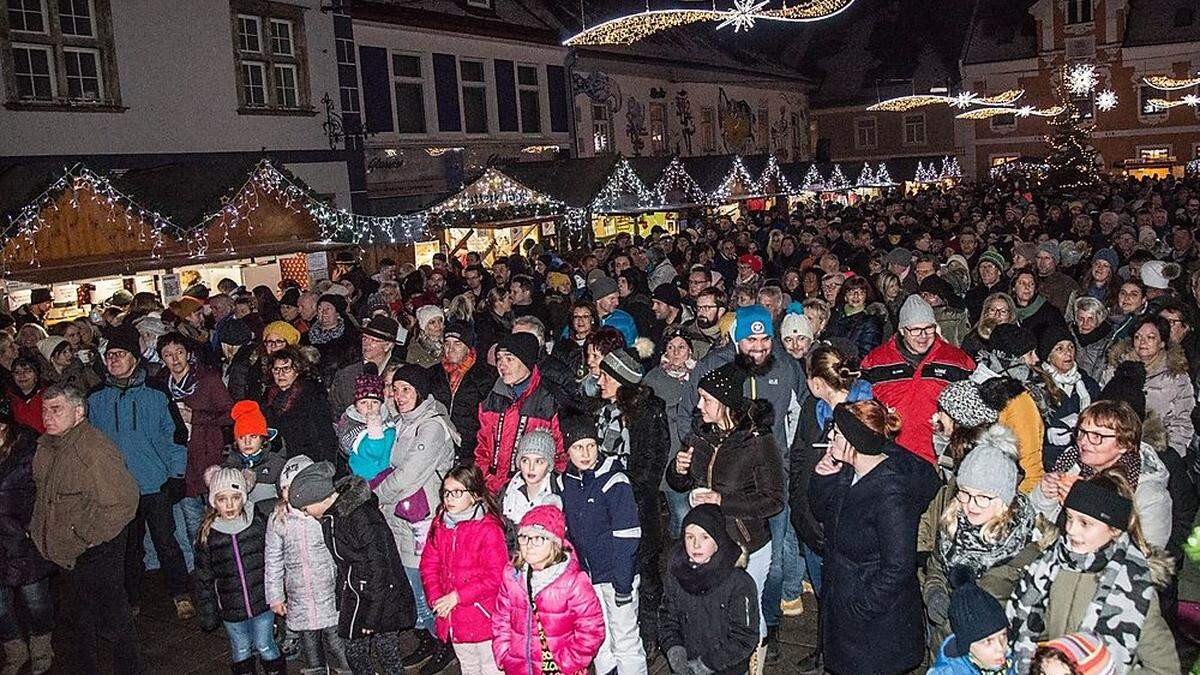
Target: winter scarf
{"type": "Point", "coordinates": [968, 547]}
{"type": "Point", "coordinates": [456, 373]}
{"type": "Point", "coordinates": [184, 389]}
{"type": "Point", "coordinates": [614, 436]}
{"type": "Point", "coordinates": [1129, 464]}
{"type": "Point", "coordinates": [1116, 613]}
{"type": "Point", "coordinates": [1029, 310]}
{"type": "Point", "coordinates": [697, 579]}
{"type": "Point", "coordinates": [1071, 383]}
{"type": "Point", "coordinates": [1102, 332]}
{"type": "Point", "coordinates": [451, 520]}
{"type": "Point", "coordinates": [681, 374]}
{"type": "Point", "coordinates": [319, 335]}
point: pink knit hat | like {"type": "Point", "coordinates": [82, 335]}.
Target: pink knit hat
{"type": "Point", "coordinates": [546, 520]}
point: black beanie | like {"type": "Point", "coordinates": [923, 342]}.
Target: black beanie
{"type": "Point", "coordinates": [125, 337]}
{"type": "Point", "coordinates": [711, 519]}
{"type": "Point", "coordinates": [668, 294]}
{"type": "Point", "coordinates": [523, 346]}
{"type": "Point", "coordinates": [1128, 384]}
{"type": "Point", "coordinates": [235, 332]}
{"type": "Point", "coordinates": [974, 613]}
{"type": "Point", "coordinates": [1012, 339]}
{"type": "Point", "coordinates": [1054, 334]}
{"type": "Point", "coordinates": [417, 377]}
{"type": "Point", "coordinates": [725, 384]}
{"type": "Point", "coordinates": [1100, 503]}
{"type": "Point", "coordinates": [290, 297]}
{"type": "Point", "coordinates": [576, 426]}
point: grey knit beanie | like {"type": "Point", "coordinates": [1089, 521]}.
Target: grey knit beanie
{"type": "Point", "coordinates": [538, 442]}
{"type": "Point", "coordinates": [312, 484]}
{"type": "Point", "coordinates": [991, 466]}
{"type": "Point", "coordinates": [916, 312]}
{"type": "Point", "coordinates": [960, 400]}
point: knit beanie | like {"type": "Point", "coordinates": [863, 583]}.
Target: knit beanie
{"type": "Point", "coordinates": [1109, 256]}
{"type": "Point", "coordinates": [125, 338]}
{"type": "Point", "coordinates": [222, 479]}
{"type": "Point", "coordinates": [338, 302]}
{"type": "Point", "coordinates": [235, 333]}
{"type": "Point", "coordinates": [1027, 250]}
{"type": "Point", "coordinates": [576, 427]}
{"type": "Point", "coordinates": [993, 256]}
{"type": "Point", "coordinates": [754, 262]}
{"type": "Point", "coordinates": [1106, 506]}
{"type": "Point", "coordinates": [601, 287]}
{"type": "Point", "coordinates": [1085, 651]}
{"type": "Point", "coordinates": [290, 298]}
{"type": "Point", "coordinates": [291, 469]}
{"type": "Point", "coordinates": [711, 519]}
{"type": "Point", "coordinates": [1054, 334]}
{"type": "Point", "coordinates": [939, 287]}
{"type": "Point", "coordinates": [248, 419]}
{"type": "Point", "coordinates": [461, 331]}
{"type": "Point", "coordinates": [284, 330]}
{"type": "Point", "coordinates": [1158, 274]}
{"type": "Point", "coordinates": [311, 484]}
{"type": "Point", "coordinates": [960, 400]}
{"type": "Point", "coordinates": [974, 614]}
{"type": "Point", "coordinates": [751, 321]}
{"type": "Point", "coordinates": [900, 257]}
{"type": "Point", "coordinates": [417, 378]}
{"type": "Point", "coordinates": [991, 466]}
{"type": "Point", "coordinates": [795, 325]}
{"type": "Point", "coordinates": [523, 346]}
{"type": "Point", "coordinates": [1052, 248]}
{"type": "Point", "coordinates": [427, 313]}
{"type": "Point", "coordinates": [539, 443]}
{"type": "Point", "coordinates": [668, 294]}
{"type": "Point", "coordinates": [369, 384]}
{"type": "Point", "coordinates": [623, 366]}
{"type": "Point", "coordinates": [47, 346]}
{"type": "Point", "coordinates": [1013, 339]}
{"type": "Point", "coordinates": [725, 384]}
{"type": "Point", "coordinates": [916, 312]}
{"type": "Point", "coordinates": [546, 520]}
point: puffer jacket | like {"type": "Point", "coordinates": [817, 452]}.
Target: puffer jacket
{"type": "Point", "coordinates": [1151, 498]}
{"type": "Point", "coordinates": [913, 390]}
{"type": "Point", "coordinates": [602, 521]}
{"type": "Point", "coordinates": [517, 500]}
{"type": "Point", "coordinates": [142, 423]}
{"type": "Point", "coordinates": [421, 456]}
{"type": "Point", "coordinates": [366, 456]}
{"type": "Point", "coordinates": [1169, 392]}
{"type": "Point", "coordinates": [300, 571]}
{"type": "Point", "coordinates": [304, 419]}
{"type": "Point", "coordinates": [372, 592]}
{"type": "Point", "coordinates": [230, 571]}
{"type": "Point", "coordinates": [504, 417]}
{"type": "Point", "coordinates": [463, 404]}
{"type": "Point", "coordinates": [570, 616]}
{"type": "Point", "coordinates": [960, 665]}
{"type": "Point", "coordinates": [468, 558]}
{"type": "Point", "coordinates": [20, 562]}
{"type": "Point", "coordinates": [863, 329]}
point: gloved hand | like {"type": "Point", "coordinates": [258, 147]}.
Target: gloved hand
{"type": "Point", "coordinates": [624, 599]}
{"type": "Point", "coordinates": [937, 605]}
{"type": "Point", "coordinates": [677, 659]}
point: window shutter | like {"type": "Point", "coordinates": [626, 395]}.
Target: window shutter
{"type": "Point", "coordinates": [556, 79]}
{"type": "Point", "coordinates": [376, 88]}
{"type": "Point", "coordinates": [506, 95]}
{"type": "Point", "coordinates": [445, 85]}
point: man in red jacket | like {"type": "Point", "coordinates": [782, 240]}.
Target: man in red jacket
{"type": "Point", "coordinates": [909, 371]}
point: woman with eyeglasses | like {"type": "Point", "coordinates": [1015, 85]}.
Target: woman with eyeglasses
{"type": "Point", "coordinates": [1169, 393]}
{"type": "Point", "coordinates": [296, 405]}
{"type": "Point", "coordinates": [1109, 436]}
{"type": "Point", "coordinates": [408, 489]}
{"type": "Point", "coordinates": [979, 521]}
{"type": "Point", "coordinates": [997, 309]}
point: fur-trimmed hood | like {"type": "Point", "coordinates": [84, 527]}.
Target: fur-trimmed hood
{"type": "Point", "coordinates": [1176, 364]}
{"type": "Point", "coordinates": [353, 492]}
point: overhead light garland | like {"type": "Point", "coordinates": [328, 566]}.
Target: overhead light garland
{"type": "Point", "coordinates": [675, 180]}
{"type": "Point", "coordinates": [1080, 78]}
{"type": "Point", "coordinates": [1106, 100]}
{"type": "Point", "coordinates": [1165, 83]}
{"type": "Point", "coordinates": [961, 101]}
{"type": "Point", "coordinates": [634, 27]}
{"type": "Point", "coordinates": [1036, 171]}
{"type": "Point", "coordinates": [1023, 111]}
{"type": "Point", "coordinates": [622, 191]}
{"type": "Point", "coordinates": [80, 185]}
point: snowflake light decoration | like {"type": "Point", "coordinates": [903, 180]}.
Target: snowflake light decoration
{"type": "Point", "coordinates": [742, 15]}
{"type": "Point", "coordinates": [1106, 100]}
{"type": "Point", "coordinates": [1081, 78]}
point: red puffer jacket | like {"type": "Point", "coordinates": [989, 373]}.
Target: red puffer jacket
{"type": "Point", "coordinates": [913, 391]}
{"type": "Point", "coordinates": [468, 558]}
{"type": "Point", "coordinates": [571, 618]}
{"type": "Point", "coordinates": [504, 417]}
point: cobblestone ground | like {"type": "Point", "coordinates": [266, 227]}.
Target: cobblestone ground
{"type": "Point", "coordinates": [172, 647]}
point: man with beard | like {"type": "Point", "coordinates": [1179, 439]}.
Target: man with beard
{"type": "Point", "coordinates": [773, 376]}
{"type": "Point", "coordinates": [705, 331]}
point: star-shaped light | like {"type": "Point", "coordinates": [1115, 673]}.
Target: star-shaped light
{"type": "Point", "coordinates": [1081, 78]}
{"type": "Point", "coordinates": [963, 100]}
{"type": "Point", "coordinates": [1106, 100]}
{"type": "Point", "coordinates": [742, 15]}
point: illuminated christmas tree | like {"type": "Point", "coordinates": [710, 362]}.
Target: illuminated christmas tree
{"type": "Point", "coordinates": [1072, 160]}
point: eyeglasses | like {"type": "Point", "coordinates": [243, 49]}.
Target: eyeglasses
{"type": "Point", "coordinates": [980, 501]}
{"type": "Point", "coordinates": [1093, 437]}
{"type": "Point", "coordinates": [922, 331]}
{"type": "Point", "coordinates": [707, 306]}
{"type": "Point", "coordinates": [532, 539]}
{"type": "Point", "coordinates": [274, 343]}
{"type": "Point", "coordinates": [282, 369]}
{"type": "Point", "coordinates": [997, 311]}
{"type": "Point", "coordinates": [453, 494]}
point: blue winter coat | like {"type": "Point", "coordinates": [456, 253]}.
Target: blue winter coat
{"type": "Point", "coordinates": [623, 322]}
{"type": "Point", "coordinates": [137, 419]}
{"type": "Point", "coordinates": [602, 522]}
{"type": "Point", "coordinates": [959, 665]}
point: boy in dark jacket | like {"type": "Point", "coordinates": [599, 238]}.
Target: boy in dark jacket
{"type": "Point", "coordinates": [709, 618]}
{"type": "Point", "coordinates": [375, 601]}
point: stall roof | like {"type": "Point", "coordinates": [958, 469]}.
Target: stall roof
{"type": "Point", "coordinates": [575, 182]}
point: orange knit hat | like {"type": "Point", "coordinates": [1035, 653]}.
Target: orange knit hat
{"type": "Point", "coordinates": [248, 420]}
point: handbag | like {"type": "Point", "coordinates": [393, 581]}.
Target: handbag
{"type": "Point", "coordinates": [413, 508]}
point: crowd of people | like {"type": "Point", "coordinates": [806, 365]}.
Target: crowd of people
{"type": "Point", "coordinates": [964, 418]}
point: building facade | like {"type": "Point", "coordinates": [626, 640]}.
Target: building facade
{"type": "Point", "coordinates": [1026, 45]}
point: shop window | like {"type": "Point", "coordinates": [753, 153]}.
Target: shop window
{"type": "Point", "coordinates": [272, 65]}
{"type": "Point", "coordinates": [59, 54]}
{"type": "Point", "coordinates": [1157, 153]}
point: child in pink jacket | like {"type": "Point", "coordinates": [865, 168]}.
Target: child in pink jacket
{"type": "Point", "coordinates": [461, 566]}
{"type": "Point", "coordinates": [548, 618]}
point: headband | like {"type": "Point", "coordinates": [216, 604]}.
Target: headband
{"type": "Point", "coordinates": [865, 440]}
